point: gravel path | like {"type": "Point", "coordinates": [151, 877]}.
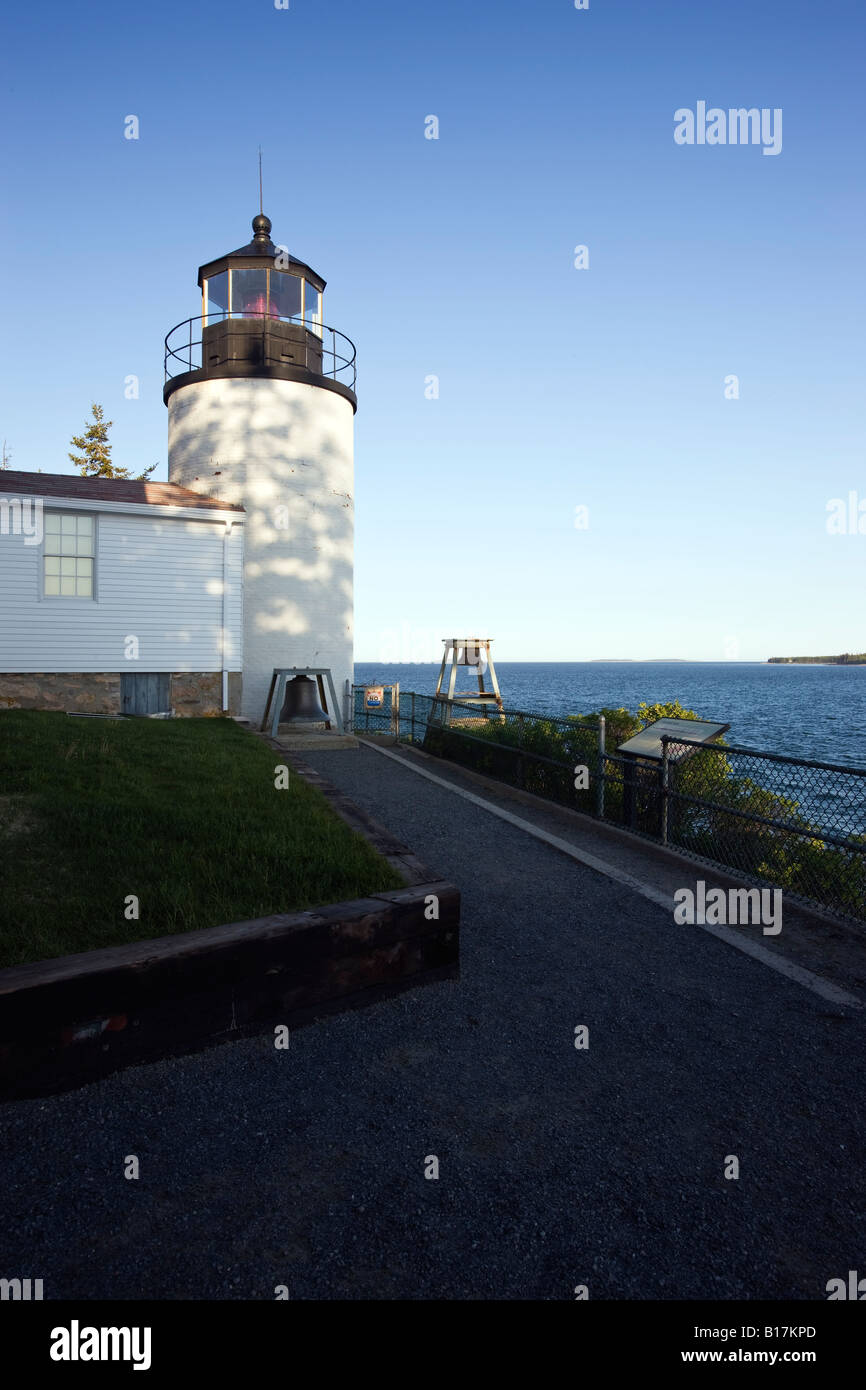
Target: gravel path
{"type": "Point", "coordinates": [557, 1167]}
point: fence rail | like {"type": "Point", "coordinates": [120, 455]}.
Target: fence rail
{"type": "Point", "coordinates": [790, 823]}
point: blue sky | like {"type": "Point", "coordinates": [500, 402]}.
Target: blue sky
{"type": "Point", "coordinates": [559, 388]}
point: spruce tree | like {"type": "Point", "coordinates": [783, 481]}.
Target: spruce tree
{"type": "Point", "coordinates": [94, 459]}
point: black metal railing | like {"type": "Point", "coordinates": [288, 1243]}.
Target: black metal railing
{"type": "Point", "coordinates": [790, 823]}
{"type": "Point", "coordinates": [183, 344]}
{"type": "Point", "coordinates": [535, 752]}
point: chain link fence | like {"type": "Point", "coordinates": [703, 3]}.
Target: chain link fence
{"type": "Point", "coordinates": [794, 824]}
{"type": "Point", "coordinates": [784, 822]}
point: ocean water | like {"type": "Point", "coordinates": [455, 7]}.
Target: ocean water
{"type": "Point", "coordinates": [816, 712]}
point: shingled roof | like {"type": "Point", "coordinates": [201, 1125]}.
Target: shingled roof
{"type": "Point", "coordinates": [109, 490]}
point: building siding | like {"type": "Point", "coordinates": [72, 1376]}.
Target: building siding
{"type": "Point", "coordinates": [158, 578]}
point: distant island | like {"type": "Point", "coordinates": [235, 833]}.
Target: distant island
{"type": "Point", "coordinates": [848, 659]}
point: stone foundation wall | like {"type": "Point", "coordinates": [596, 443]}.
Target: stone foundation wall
{"type": "Point", "coordinates": [193, 693]}
{"type": "Point", "coordinates": [88, 693]}
{"type": "Point", "coordinates": [200, 693]}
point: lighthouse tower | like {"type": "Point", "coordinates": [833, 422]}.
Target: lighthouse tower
{"type": "Point", "coordinates": [261, 403]}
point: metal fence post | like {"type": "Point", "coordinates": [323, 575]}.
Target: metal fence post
{"type": "Point", "coordinates": [601, 767]}
{"type": "Point", "coordinates": [395, 711]}
{"type": "Point", "coordinates": [412, 720]}
{"type": "Point", "coordinates": [665, 794]}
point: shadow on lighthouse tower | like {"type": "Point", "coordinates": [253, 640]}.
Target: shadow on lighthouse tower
{"type": "Point", "coordinates": [261, 403]}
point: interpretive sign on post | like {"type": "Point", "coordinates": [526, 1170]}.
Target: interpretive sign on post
{"type": "Point", "coordinates": [645, 765]}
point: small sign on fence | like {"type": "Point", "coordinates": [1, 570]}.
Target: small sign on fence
{"type": "Point", "coordinates": [374, 697]}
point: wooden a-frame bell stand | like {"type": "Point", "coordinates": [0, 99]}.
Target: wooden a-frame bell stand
{"type": "Point", "coordinates": [463, 652]}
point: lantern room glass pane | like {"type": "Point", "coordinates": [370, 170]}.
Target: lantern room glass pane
{"type": "Point", "coordinates": [250, 294]}
{"type": "Point", "coordinates": [285, 294]}
{"type": "Point", "coordinates": [312, 306]}
{"type": "Point", "coordinates": [217, 296]}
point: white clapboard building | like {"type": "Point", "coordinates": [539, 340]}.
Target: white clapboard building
{"type": "Point", "coordinates": [139, 597]}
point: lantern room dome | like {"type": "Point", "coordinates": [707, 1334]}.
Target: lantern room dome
{"type": "Point", "coordinates": [250, 256]}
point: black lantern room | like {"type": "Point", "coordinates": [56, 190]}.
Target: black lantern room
{"type": "Point", "coordinates": [261, 315]}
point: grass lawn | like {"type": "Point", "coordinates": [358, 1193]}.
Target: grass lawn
{"type": "Point", "coordinates": [181, 813]}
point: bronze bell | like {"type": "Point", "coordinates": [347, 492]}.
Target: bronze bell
{"type": "Point", "coordinates": [302, 703]}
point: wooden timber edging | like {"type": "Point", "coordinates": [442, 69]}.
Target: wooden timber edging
{"type": "Point", "coordinates": [71, 1020]}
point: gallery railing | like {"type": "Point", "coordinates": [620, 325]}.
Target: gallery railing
{"type": "Point", "coordinates": [183, 344]}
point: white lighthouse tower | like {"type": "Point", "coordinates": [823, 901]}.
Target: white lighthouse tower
{"type": "Point", "coordinates": [261, 403]}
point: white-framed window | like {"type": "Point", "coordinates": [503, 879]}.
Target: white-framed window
{"type": "Point", "coordinates": [68, 555]}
